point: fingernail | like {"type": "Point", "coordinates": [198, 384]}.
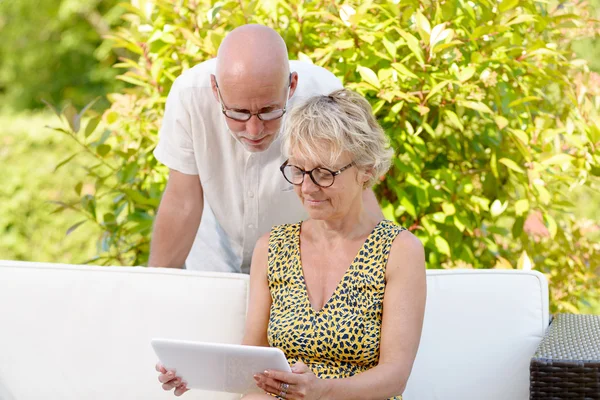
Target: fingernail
{"type": "Point", "coordinates": [266, 373]}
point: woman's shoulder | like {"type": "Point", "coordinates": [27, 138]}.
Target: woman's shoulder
{"type": "Point", "coordinates": [391, 226]}
{"type": "Point", "coordinates": [283, 230]}
{"type": "Point", "coordinates": [407, 250]}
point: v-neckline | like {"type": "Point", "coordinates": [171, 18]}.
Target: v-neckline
{"type": "Point", "coordinates": [344, 277]}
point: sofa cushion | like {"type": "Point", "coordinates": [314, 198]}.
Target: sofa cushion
{"type": "Point", "coordinates": [480, 330]}
{"type": "Point", "coordinates": [83, 332]}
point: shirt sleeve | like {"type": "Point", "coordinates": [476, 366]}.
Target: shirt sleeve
{"type": "Point", "coordinates": [175, 147]}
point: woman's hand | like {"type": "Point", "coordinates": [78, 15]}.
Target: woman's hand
{"type": "Point", "coordinates": [301, 383]}
{"type": "Point", "coordinates": [171, 381]}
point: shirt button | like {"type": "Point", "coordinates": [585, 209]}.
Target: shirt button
{"type": "Point", "coordinates": [251, 194]}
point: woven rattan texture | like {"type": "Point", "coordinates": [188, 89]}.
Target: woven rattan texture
{"type": "Point", "coordinates": [566, 364]}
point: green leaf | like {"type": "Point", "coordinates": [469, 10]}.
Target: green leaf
{"type": "Point", "coordinates": [568, 307]}
{"type": "Point", "coordinates": [88, 203]}
{"type": "Point", "coordinates": [439, 34]}
{"type": "Point", "coordinates": [466, 74]}
{"type": "Point", "coordinates": [369, 76]}
{"type": "Point", "coordinates": [498, 207]}
{"type": "Point", "coordinates": [458, 223]}
{"type": "Point", "coordinates": [404, 72]}
{"type": "Point", "coordinates": [72, 118]}
{"type": "Point", "coordinates": [344, 44]}
{"type": "Point", "coordinates": [510, 164]}
{"type": "Point", "coordinates": [111, 117]}
{"type": "Point", "coordinates": [475, 105]}
{"type": "Point", "coordinates": [413, 44]}
{"type": "Point", "coordinates": [481, 202]}
{"type": "Point", "coordinates": [190, 37]}
{"type": "Point", "coordinates": [519, 134]}
{"type": "Point", "coordinates": [517, 228]}
{"type": "Point", "coordinates": [410, 208]}
{"type": "Point", "coordinates": [66, 160]}
{"type": "Point", "coordinates": [388, 212]}
{"type": "Point", "coordinates": [103, 150]}
{"type": "Point", "coordinates": [502, 263]}
{"type": "Point", "coordinates": [521, 207]}
{"type": "Point", "coordinates": [51, 107]}
{"type": "Point", "coordinates": [521, 19]}
{"type": "Point", "coordinates": [558, 159]}
{"type": "Point", "coordinates": [448, 208]}
{"type": "Point", "coordinates": [91, 126]}
{"type": "Point", "coordinates": [506, 5]}
{"type": "Point", "coordinates": [494, 165]}
{"type": "Point", "coordinates": [550, 223]}
{"type": "Point", "coordinates": [543, 194]}
{"type": "Point", "coordinates": [442, 245]}
{"type": "Point", "coordinates": [78, 188]}
{"type": "Point", "coordinates": [524, 262]}
{"type": "Point", "coordinates": [133, 81]}
{"type": "Point", "coordinates": [109, 219]}
{"type": "Point", "coordinates": [390, 47]}
{"type": "Point", "coordinates": [397, 107]}
{"type": "Point", "coordinates": [454, 120]}
{"type": "Point", "coordinates": [437, 88]}
{"type": "Point", "coordinates": [75, 226]}
{"type": "Point", "coordinates": [422, 22]}
{"type": "Point", "coordinates": [523, 100]}
{"type": "Point", "coordinates": [501, 122]}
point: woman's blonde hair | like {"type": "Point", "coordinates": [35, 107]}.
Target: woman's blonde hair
{"type": "Point", "coordinates": [324, 127]}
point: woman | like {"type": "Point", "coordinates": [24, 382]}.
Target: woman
{"type": "Point", "coordinates": [342, 293]}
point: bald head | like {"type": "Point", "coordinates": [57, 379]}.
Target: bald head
{"type": "Point", "coordinates": [253, 52]}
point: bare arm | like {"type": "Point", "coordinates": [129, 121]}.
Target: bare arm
{"type": "Point", "coordinates": [371, 204]}
{"type": "Point", "coordinates": [403, 310]}
{"type": "Point", "coordinates": [257, 320]}
{"type": "Point", "coordinates": [177, 221]}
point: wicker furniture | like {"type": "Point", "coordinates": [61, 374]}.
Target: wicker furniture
{"type": "Point", "coordinates": [566, 364]}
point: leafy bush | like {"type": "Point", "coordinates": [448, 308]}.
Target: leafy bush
{"type": "Point", "coordinates": [494, 123]}
{"type": "Point", "coordinates": [52, 49]}
{"type": "Point", "coordinates": [30, 186]}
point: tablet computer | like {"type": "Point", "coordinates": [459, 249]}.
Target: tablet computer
{"type": "Point", "coordinates": [219, 367]}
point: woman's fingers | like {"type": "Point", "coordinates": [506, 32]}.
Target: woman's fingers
{"type": "Point", "coordinates": [166, 377]}
{"type": "Point", "coordinates": [272, 385]}
{"type": "Point", "coordinates": [160, 368]}
{"type": "Point", "coordinates": [300, 368]}
{"type": "Point", "coordinates": [172, 384]}
{"type": "Point", "coordinates": [181, 389]}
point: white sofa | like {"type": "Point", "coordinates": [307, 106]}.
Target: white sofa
{"type": "Point", "coordinates": [83, 332]}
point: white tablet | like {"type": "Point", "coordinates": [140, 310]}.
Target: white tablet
{"type": "Point", "coordinates": [218, 367]}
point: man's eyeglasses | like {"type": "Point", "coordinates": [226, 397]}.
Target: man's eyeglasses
{"type": "Point", "coordinates": [245, 115]}
{"type": "Point", "coordinates": [322, 177]}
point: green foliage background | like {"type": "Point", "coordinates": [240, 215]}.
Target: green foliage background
{"type": "Point", "coordinates": [493, 117]}
{"type": "Point", "coordinates": [29, 184]}
{"type": "Point", "coordinates": [53, 50]}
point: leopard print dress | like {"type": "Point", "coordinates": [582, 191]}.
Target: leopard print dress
{"type": "Point", "coordinates": [342, 339]}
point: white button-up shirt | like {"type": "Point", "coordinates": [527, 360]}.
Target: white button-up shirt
{"type": "Point", "coordinates": [244, 193]}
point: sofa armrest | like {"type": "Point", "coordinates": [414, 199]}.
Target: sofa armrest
{"type": "Point", "coordinates": [566, 364]}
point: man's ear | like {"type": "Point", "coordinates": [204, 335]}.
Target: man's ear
{"type": "Point", "coordinates": [213, 85]}
{"type": "Point", "coordinates": [293, 84]}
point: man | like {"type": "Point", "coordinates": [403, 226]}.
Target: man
{"type": "Point", "coordinates": [219, 139]}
